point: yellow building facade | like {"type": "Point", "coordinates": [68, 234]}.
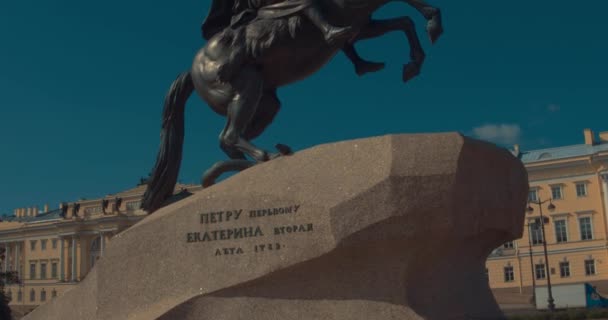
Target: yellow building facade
{"type": "Point", "coordinates": [52, 250]}
{"type": "Point", "coordinates": [570, 185]}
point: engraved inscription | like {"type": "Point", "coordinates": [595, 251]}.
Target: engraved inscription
{"type": "Point", "coordinates": [220, 216]}
{"type": "Point", "coordinates": [225, 234]}
{"type": "Point", "coordinates": [273, 211]}
{"type": "Point", "coordinates": [242, 233]}
{"type": "Point", "coordinates": [294, 228]}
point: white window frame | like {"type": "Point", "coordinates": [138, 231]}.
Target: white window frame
{"type": "Point", "coordinates": [561, 191]}
{"type": "Point", "coordinates": [594, 267]}
{"type": "Point", "coordinates": [512, 273]}
{"type": "Point", "coordinates": [535, 190]}
{"type": "Point", "coordinates": [583, 183]}
{"type": "Point", "coordinates": [555, 221]}
{"type": "Point", "coordinates": [580, 234]}
{"type": "Point", "coordinates": [536, 268]}
{"type": "Point", "coordinates": [530, 231]}
{"type": "Point", "coordinates": [560, 269]}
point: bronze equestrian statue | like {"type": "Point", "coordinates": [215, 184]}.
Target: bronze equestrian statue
{"type": "Point", "coordinates": [255, 47]}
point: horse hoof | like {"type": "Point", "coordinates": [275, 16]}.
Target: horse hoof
{"type": "Point", "coordinates": [369, 67]}
{"type": "Point", "coordinates": [410, 70]}
{"type": "Point", "coordinates": [283, 149]}
{"type": "Point", "coordinates": [434, 29]}
{"type": "Point", "coordinates": [222, 167]}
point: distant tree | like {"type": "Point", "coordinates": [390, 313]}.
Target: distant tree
{"type": "Point", "coordinates": [5, 310]}
{"type": "Point", "coordinates": [5, 277]}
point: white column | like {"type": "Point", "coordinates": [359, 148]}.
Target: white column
{"type": "Point", "coordinates": [7, 255]}
{"type": "Point", "coordinates": [73, 258]}
{"type": "Point", "coordinates": [102, 243]}
{"type": "Point", "coordinates": [61, 261]}
{"type": "Point", "coordinates": [18, 259]}
{"type": "Point", "coordinates": [604, 177]}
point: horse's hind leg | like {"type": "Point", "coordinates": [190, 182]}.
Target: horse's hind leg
{"type": "Point", "coordinates": [434, 27]}
{"type": "Point", "coordinates": [376, 28]}
{"type": "Point", "coordinates": [248, 89]}
{"type": "Point", "coordinates": [265, 112]}
{"type": "Point", "coordinates": [267, 109]}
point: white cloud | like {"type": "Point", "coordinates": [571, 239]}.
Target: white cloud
{"type": "Point", "coordinates": [498, 133]}
{"type": "Point", "coordinates": [553, 107]}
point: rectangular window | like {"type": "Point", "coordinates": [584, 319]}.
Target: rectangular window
{"type": "Point", "coordinates": [536, 234]}
{"type": "Point", "coordinates": [43, 244]}
{"type": "Point", "coordinates": [589, 267]}
{"type": "Point", "coordinates": [54, 270]}
{"type": "Point", "coordinates": [19, 296]}
{"type": "Point", "coordinates": [54, 243]}
{"type": "Point", "coordinates": [586, 229]}
{"type": "Point", "coordinates": [54, 293]}
{"type": "Point", "coordinates": [556, 192]}
{"type": "Point", "coordinates": [561, 233]}
{"type": "Point", "coordinates": [92, 210]}
{"type": "Point", "coordinates": [43, 271]}
{"type": "Point", "coordinates": [564, 269]}
{"type": "Point", "coordinates": [509, 275]}
{"type": "Point", "coordinates": [32, 295]}
{"type": "Point", "coordinates": [133, 205]}
{"type": "Point", "coordinates": [42, 295]}
{"type": "Point", "coordinates": [508, 245]}
{"type": "Point", "coordinates": [33, 245]}
{"type": "Point", "coordinates": [32, 271]}
{"type": "Point", "coordinates": [581, 189]}
{"type": "Point", "coordinates": [533, 195]}
{"type": "Point", "coordinates": [540, 271]}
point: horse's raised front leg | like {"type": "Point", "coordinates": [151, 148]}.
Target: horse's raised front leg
{"type": "Point", "coordinates": [361, 66]}
{"type": "Point", "coordinates": [434, 26]}
{"type": "Point", "coordinates": [376, 28]}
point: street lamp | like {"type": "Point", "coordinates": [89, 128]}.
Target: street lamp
{"type": "Point", "coordinates": [542, 224]}
{"type": "Point", "coordinates": [532, 263]}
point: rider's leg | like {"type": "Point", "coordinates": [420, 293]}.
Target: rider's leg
{"type": "Point", "coordinates": [331, 33]}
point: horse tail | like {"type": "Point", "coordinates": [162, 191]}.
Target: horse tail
{"type": "Point", "coordinates": [163, 177]}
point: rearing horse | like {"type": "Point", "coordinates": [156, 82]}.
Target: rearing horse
{"type": "Point", "coordinates": [239, 70]}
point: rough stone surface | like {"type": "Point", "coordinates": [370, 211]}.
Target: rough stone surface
{"type": "Point", "coordinates": [390, 227]}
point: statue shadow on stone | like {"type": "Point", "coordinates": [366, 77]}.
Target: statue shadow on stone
{"type": "Point", "coordinates": [255, 47]}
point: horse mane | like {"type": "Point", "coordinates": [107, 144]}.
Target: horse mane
{"type": "Point", "coordinates": [261, 34]}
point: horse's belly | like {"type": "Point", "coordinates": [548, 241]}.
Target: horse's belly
{"type": "Point", "coordinates": [291, 64]}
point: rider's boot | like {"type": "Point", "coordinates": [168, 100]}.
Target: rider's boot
{"type": "Point", "coordinates": [332, 33]}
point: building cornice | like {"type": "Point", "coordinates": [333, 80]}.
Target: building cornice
{"type": "Point", "coordinates": [562, 179]}
{"type": "Point", "coordinates": [66, 227]}
{"type": "Point", "coordinates": [549, 252]}
{"type": "Point", "coordinates": [557, 164]}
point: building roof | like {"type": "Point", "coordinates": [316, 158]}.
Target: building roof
{"type": "Point", "coordinates": [11, 221]}
{"type": "Point", "coordinates": [51, 215]}
{"type": "Point", "coordinates": [573, 151]}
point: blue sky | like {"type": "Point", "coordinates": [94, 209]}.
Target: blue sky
{"type": "Point", "coordinates": [82, 85]}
